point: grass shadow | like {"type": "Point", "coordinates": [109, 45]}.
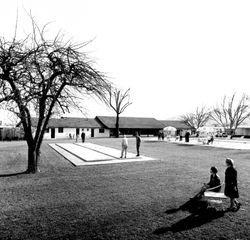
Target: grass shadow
{"type": "Point", "coordinates": [152, 141]}
{"type": "Point", "coordinates": [201, 213]}
{"type": "Point", "coordinates": [12, 174]}
{"type": "Point", "coordinates": [196, 219]}
{"type": "Point", "coordinates": [186, 144]}
{"type": "Point", "coordinates": [193, 205]}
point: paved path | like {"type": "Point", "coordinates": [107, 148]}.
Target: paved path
{"type": "Point", "coordinates": [91, 154]}
{"type": "Point", "coordinates": [220, 143]}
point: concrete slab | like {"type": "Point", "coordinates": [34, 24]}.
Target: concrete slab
{"type": "Point", "coordinates": [115, 153]}
{"type": "Point", "coordinates": [228, 144]}
{"type": "Point", "coordinates": [72, 158]}
{"type": "Point", "coordinates": [83, 156]}
{"type": "Point", "coordinates": [112, 152]}
{"type": "Point", "coordinates": [84, 153]}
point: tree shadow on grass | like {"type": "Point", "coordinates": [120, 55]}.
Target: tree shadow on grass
{"type": "Point", "coordinates": [12, 174]}
{"type": "Point", "coordinates": [201, 213]}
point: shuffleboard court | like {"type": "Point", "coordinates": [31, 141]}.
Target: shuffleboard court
{"type": "Point", "coordinates": [76, 161]}
{"type": "Point", "coordinates": [114, 153]}
{"type": "Point", "coordinates": [84, 153]}
{"type": "Point", "coordinates": [93, 154]}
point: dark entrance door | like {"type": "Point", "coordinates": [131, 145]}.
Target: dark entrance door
{"type": "Point", "coordinates": [92, 132]}
{"type": "Point", "coordinates": [52, 132]}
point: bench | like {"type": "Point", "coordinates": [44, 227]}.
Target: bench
{"type": "Point", "coordinates": [214, 197]}
{"type": "Point", "coordinates": [218, 195]}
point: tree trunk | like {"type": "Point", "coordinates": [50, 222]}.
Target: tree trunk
{"type": "Point", "coordinates": [117, 126]}
{"type": "Point", "coordinates": [232, 133]}
{"type": "Point", "coordinates": [33, 159]}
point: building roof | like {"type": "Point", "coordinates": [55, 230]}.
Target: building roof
{"type": "Point", "coordinates": [68, 122]}
{"type": "Point", "coordinates": [130, 122]}
{"type": "Point", "coordinates": [175, 123]}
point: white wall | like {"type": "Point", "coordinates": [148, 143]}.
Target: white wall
{"type": "Point", "coordinates": [72, 131]}
{"type": "Point", "coordinates": [65, 134]}
{"type": "Point", "coordinates": [243, 131]}
{"type": "Point", "coordinates": [98, 134]}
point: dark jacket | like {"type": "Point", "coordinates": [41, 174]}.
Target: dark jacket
{"type": "Point", "coordinates": [138, 140]}
{"type": "Point", "coordinates": [83, 135]}
{"type": "Point", "coordinates": [214, 181]}
{"type": "Point", "coordinates": [231, 186]}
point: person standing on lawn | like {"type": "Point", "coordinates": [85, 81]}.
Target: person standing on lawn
{"type": "Point", "coordinates": [231, 185]}
{"type": "Point", "coordinates": [138, 143]}
{"type": "Point", "coordinates": [124, 146]}
{"type": "Point", "coordinates": [77, 137]}
{"type": "Point", "coordinates": [83, 136]}
{"type": "Point", "coordinates": [187, 135]}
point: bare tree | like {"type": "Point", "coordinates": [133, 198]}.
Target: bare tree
{"type": "Point", "coordinates": [118, 101]}
{"type": "Point", "coordinates": [231, 113]}
{"type": "Point", "coordinates": [39, 76]}
{"type": "Point", "coordinates": [197, 119]}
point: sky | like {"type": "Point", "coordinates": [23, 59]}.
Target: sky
{"type": "Point", "coordinates": [174, 56]}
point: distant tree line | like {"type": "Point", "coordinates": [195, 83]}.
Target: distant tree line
{"type": "Point", "coordinates": [229, 113]}
{"type": "Point", "coordinates": [9, 134]}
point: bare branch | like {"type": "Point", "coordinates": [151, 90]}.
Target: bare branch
{"type": "Point", "coordinates": [197, 119]}
{"type": "Point", "coordinates": [40, 76]}
{"type": "Point", "coordinates": [118, 101]}
{"type": "Point", "coordinates": [230, 114]}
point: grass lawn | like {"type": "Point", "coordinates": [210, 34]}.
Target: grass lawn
{"type": "Point", "coordinates": [118, 201]}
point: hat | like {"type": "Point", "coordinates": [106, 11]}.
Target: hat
{"type": "Point", "coordinates": [230, 161]}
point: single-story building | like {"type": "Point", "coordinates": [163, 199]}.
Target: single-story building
{"type": "Point", "coordinates": [243, 131]}
{"type": "Point", "coordinates": [67, 127]}
{"type": "Point", "coordinates": [104, 126]}
{"type": "Point", "coordinates": [180, 126]}
{"type": "Point", "coordinates": [131, 125]}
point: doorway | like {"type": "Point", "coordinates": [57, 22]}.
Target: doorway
{"type": "Point", "coordinates": [52, 132]}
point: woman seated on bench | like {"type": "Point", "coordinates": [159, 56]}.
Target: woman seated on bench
{"type": "Point", "coordinates": [213, 185]}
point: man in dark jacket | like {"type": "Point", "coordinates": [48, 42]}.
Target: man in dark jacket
{"type": "Point", "coordinates": [138, 143]}
{"type": "Point", "coordinates": [83, 136]}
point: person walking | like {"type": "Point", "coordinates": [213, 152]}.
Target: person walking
{"type": "Point", "coordinates": [159, 135]}
{"type": "Point", "coordinates": [187, 135]}
{"type": "Point", "coordinates": [138, 143]}
{"type": "Point", "coordinates": [231, 185]}
{"type": "Point", "coordinates": [180, 135]}
{"type": "Point", "coordinates": [124, 146]}
{"type": "Point", "coordinates": [77, 137]}
{"type": "Point", "coordinates": [83, 136]}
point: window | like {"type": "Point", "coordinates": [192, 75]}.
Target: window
{"type": "Point", "coordinates": [47, 130]}
{"type": "Point", "coordinates": [60, 130]}
{"type": "Point", "coordinates": [101, 130]}
{"type": "Point", "coordinates": [87, 129]}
